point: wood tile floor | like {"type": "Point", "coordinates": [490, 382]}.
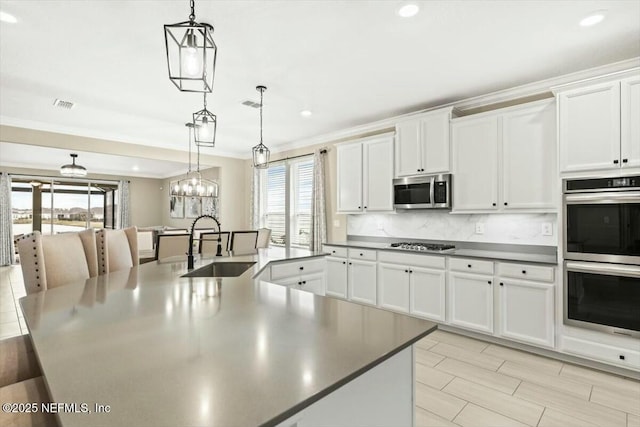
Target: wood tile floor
{"type": "Point", "coordinates": [462, 381]}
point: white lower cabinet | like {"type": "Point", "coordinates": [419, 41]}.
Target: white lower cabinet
{"type": "Point", "coordinates": [307, 275]}
{"type": "Point", "coordinates": [393, 284]}
{"type": "Point", "coordinates": [525, 311]}
{"type": "Point", "coordinates": [337, 277]}
{"type": "Point", "coordinates": [362, 281]}
{"type": "Point", "coordinates": [427, 288]}
{"type": "Point", "coordinates": [470, 301]}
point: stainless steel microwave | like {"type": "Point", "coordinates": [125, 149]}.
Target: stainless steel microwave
{"type": "Point", "coordinates": [422, 192]}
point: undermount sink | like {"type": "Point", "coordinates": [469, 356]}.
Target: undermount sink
{"type": "Point", "coordinates": [221, 269]}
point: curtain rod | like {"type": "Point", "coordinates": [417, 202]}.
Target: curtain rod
{"type": "Point", "coordinates": [322, 151]}
{"type": "Point", "coordinates": [63, 178]}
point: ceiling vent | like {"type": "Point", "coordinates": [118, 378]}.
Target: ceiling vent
{"type": "Point", "coordinates": [65, 105]}
{"type": "Point", "coordinates": [251, 104]}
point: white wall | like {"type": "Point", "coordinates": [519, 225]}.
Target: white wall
{"type": "Point", "coordinates": [436, 225]}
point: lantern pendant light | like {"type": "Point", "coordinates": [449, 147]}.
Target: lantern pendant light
{"type": "Point", "coordinates": [191, 54]}
{"type": "Point", "coordinates": [204, 123]}
{"type": "Point", "coordinates": [261, 152]}
{"type": "Point", "coordinates": [193, 184]}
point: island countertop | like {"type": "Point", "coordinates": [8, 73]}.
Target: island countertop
{"type": "Point", "coordinates": [162, 350]}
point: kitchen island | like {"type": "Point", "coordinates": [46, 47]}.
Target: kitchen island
{"type": "Point", "coordinates": [159, 349]}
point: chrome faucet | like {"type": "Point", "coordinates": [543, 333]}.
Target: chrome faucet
{"type": "Point", "coordinates": [193, 226]}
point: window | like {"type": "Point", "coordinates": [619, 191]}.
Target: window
{"type": "Point", "coordinates": [285, 201]}
{"type": "Point", "coordinates": [57, 207]}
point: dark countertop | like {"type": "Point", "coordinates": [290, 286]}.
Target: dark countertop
{"type": "Point", "coordinates": [491, 251]}
{"type": "Point", "coordinates": [163, 350]}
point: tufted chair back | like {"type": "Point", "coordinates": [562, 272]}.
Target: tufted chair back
{"type": "Point", "coordinates": [56, 260]}
{"type": "Point", "coordinates": [117, 249]}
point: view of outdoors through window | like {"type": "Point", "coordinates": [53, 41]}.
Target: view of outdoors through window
{"type": "Point", "coordinates": [274, 198]}
{"type": "Point", "coordinates": [57, 207]}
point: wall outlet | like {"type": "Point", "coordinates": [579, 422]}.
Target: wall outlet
{"type": "Point", "coordinates": [479, 227]}
{"type": "Point", "coordinates": [336, 223]}
{"type": "Point", "coordinates": [547, 229]}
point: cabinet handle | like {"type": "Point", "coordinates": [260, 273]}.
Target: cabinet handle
{"type": "Point", "coordinates": [304, 282]}
{"type": "Point", "coordinates": [359, 207]}
{"type": "Point", "coordinates": [621, 357]}
{"type": "Point", "coordinates": [410, 271]}
{"type": "Point", "coordinates": [406, 271]}
{"type": "Point", "coordinates": [361, 255]}
{"type": "Point", "coordinates": [469, 265]}
{"type": "Point", "coordinates": [301, 268]}
{"type": "Point", "coordinates": [625, 160]}
{"type": "Point", "coordinates": [524, 271]}
{"type": "Point", "coordinates": [494, 204]}
{"type": "Point", "coordinates": [333, 252]}
{"type": "Point", "coordinates": [615, 162]}
{"type": "Point", "coordinates": [365, 207]}
{"type": "Point", "coordinates": [501, 284]}
{"type": "Point", "coordinates": [505, 203]}
{"type": "Point", "coordinates": [489, 281]}
{"type": "Point", "coordinates": [417, 170]}
{"type": "Point", "coordinates": [344, 262]}
{"type": "Point", "coordinates": [299, 283]}
{"type": "Point", "coordinates": [350, 263]}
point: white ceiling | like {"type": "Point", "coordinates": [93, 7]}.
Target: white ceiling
{"type": "Point", "coordinates": [47, 158]}
{"type": "Point", "coordinates": [350, 62]}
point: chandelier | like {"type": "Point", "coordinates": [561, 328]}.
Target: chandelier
{"type": "Point", "coordinates": [72, 169]}
{"type": "Point", "coordinates": [260, 151]}
{"type": "Point", "coordinates": [193, 184]}
{"type": "Point", "coordinates": [191, 54]}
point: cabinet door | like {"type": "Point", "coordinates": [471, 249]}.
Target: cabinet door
{"type": "Point", "coordinates": [427, 293]}
{"type": "Point", "coordinates": [349, 177]}
{"type": "Point", "coordinates": [475, 164]}
{"type": "Point", "coordinates": [336, 277]}
{"type": "Point", "coordinates": [471, 301]}
{"type": "Point", "coordinates": [313, 283]}
{"type": "Point", "coordinates": [408, 155]}
{"type": "Point", "coordinates": [526, 311]}
{"type": "Point", "coordinates": [590, 128]}
{"type": "Point", "coordinates": [362, 281]}
{"type": "Point", "coordinates": [630, 122]}
{"type": "Point", "coordinates": [529, 158]}
{"type": "Point", "coordinates": [393, 287]}
{"type": "Point", "coordinates": [435, 142]}
{"type": "Point", "coordinates": [378, 174]}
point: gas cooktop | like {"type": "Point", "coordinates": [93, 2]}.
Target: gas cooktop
{"type": "Point", "coordinates": [414, 246]}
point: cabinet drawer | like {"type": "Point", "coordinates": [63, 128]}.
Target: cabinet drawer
{"type": "Point", "coordinates": [289, 269]}
{"type": "Point", "coordinates": [403, 258]}
{"type": "Point", "coordinates": [335, 250]}
{"type": "Point", "coordinates": [471, 265]}
{"type": "Point", "coordinates": [367, 254]}
{"type": "Point", "coordinates": [603, 352]}
{"type": "Point", "coordinates": [526, 271]}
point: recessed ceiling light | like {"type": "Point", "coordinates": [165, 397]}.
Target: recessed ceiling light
{"type": "Point", "coordinates": [408, 10]}
{"type": "Point", "coordinates": [593, 18]}
{"type": "Point", "coordinates": [7, 17]}
{"type": "Point", "coordinates": [136, 168]}
{"type": "Point", "coordinates": [306, 113]}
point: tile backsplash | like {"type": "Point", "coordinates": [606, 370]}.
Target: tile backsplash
{"type": "Point", "coordinates": [525, 229]}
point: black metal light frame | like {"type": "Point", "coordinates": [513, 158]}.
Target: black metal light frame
{"type": "Point", "coordinates": [205, 125]}
{"type": "Point", "coordinates": [190, 45]}
{"type": "Point", "coordinates": [261, 152]}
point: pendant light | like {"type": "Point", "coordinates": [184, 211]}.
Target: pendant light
{"type": "Point", "coordinates": [204, 123]}
{"type": "Point", "coordinates": [72, 169]}
{"type": "Point", "coordinates": [191, 54]}
{"type": "Point", "coordinates": [260, 151]}
{"type": "Point", "coordinates": [193, 185]}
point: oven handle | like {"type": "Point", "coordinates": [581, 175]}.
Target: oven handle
{"type": "Point", "coordinates": [609, 197]}
{"type": "Point", "coordinates": [600, 268]}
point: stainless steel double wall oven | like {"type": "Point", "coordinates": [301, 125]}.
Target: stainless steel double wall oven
{"type": "Point", "coordinates": [602, 254]}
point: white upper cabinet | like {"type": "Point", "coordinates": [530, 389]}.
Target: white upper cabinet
{"type": "Point", "coordinates": [529, 158]}
{"type": "Point", "coordinates": [630, 122]}
{"type": "Point", "coordinates": [349, 177]}
{"type": "Point", "coordinates": [505, 160]}
{"type": "Point", "coordinates": [365, 175]}
{"type": "Point", "coordinates": [422, 144]}
{"type": "Point", "coordinates": [599, 126]}
{"type": "Point", "coordinates": [475, 164]}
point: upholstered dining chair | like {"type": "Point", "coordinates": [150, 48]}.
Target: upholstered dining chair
{"type": "Point", "coordinates": [29, 391]}
{"type": "Point", "coordinates": [209, 242]}
{"type": "Point", "coordinates": [117, 249]}
{"type": "Point", "coordinates": [243, 241]}
{"type": "Point", "coordinates": [169, 245]}
{"type": "Point", "coordinates": [264, 235]}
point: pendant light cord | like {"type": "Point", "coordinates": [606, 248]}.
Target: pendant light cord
{"type": "Point", "coordinates": [192, 17]}
{"type": "Point", "coordinates": [189, 151]}
{"type": "Point", "coordinates": [261, 102]}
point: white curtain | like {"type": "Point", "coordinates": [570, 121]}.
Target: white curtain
{"type": "Point", "coordinates": [123, 208]}
{"type": "Point", "coordinates": [319, 212]}
{"type": "Point", "coordinates": [7, 253]}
